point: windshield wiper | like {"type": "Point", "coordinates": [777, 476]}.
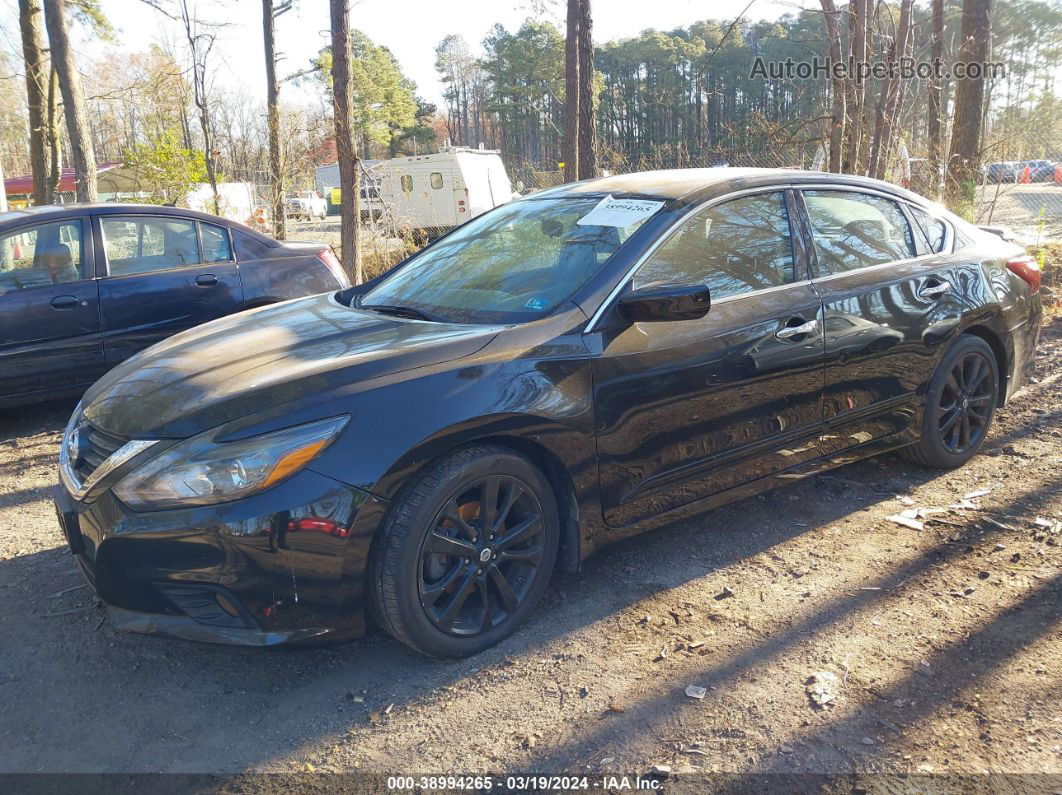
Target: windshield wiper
{"type": "Point", "coordinates": [403, 311]}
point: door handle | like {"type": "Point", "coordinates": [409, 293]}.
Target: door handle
{"type": "Point", "coordinates": [934, 291]}
{"type": "Point", "coordinates": [65, 302]}
{"type": "Point", "coordinates": [788, 332]}
{"type": "Point", "coordinates": [206, 280]}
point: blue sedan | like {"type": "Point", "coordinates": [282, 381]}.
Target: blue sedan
{"type": "Point", "coordinates": [84, 287]}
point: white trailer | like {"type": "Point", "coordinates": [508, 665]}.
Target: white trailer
{"type": "Point", "coordinates": [439, 191]}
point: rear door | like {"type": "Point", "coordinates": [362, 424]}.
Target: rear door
{"type": "Point", "coordinates": [164, 274]}
{"type": "Point", "coordinates": [890, 305]}
{"type": "Point", "coordinates": [49, 311]}
{"type": "Point", "coordinates": [477, 185]}
{"type": "Point", "coordinates": [688, 409]}
{"type": "Point", "coordinates": [439, 190]}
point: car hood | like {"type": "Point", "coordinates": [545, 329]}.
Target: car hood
{"type": "Point", "coordinates": [253, 361]}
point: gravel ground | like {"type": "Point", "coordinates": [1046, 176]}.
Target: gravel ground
{"type": "Point", "coordinates": [936, 650]}
{"type": "Point", "coordinates": [1033, 211]}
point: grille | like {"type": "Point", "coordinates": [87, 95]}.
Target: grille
{"type": "Point", "coordinates": [97, 448]}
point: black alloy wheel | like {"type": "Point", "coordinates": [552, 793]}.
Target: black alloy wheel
{"type": "Point", "coordinates": [480, 557]}
{"type": "Point", "coordinates": [960, 402]}
{"type": "Point", "coordinates": [466, 552]}
{"type": "Point", "coordinates": [966, 403]}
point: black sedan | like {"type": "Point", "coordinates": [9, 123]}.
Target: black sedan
{"type": "Point", "coordinates": [83, 287]}
{"type": "Point", "coordinates": [560, 372]}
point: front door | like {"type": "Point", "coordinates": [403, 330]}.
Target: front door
{"type": "Point", "coordinates": [688, 409]}
{"type": "Point", "coordinates": [49, 312]}
{"type": "Point", "coordinates": [889, 310]}
{"type": "Point", "coordinates": [164, 274]}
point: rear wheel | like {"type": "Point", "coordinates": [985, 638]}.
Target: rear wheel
{"type": "Point", "coordinates": [466, 552]}
{"type": "Point", "coordinates": [960, 403]}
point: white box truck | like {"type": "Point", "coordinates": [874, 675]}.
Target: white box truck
{"type": "Point", "coordinates": [437, 192]}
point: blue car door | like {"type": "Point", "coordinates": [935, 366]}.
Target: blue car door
{"type": "Point", "coordinates": [49, 311]}
{"type": "Point", "coordinates": [164, 274]}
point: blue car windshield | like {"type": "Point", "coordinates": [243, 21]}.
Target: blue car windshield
{"type": "Point", "coordinates": [516, 263]}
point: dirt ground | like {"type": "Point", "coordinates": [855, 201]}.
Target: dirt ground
{"type": "Point", "coordinates": [939, 650]}
{"type": "Point", "coordinates": [1033, 212]}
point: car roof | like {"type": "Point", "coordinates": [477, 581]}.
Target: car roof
{"type": "Point", "coordinates": [695, 184]}
{"type": "Point", "coordinates": [47, 212]}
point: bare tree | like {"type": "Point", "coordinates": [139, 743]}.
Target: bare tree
{"type": "Point", "coordinates": [349, 166]}
{"type": "Point", "coordinates": [571, 94]}
{"type": "Point", "coordinates": [889, 99]}
{"type": "Point", "coordinates": [77, 126]}
{"type": "Point", "coordinates": [933, 99]}
{"type": "Point", "coordinates": [587, 120]}
{"type": "Point", "coordinates": [969, 97]}
{"type": "Point", "coordinates": [200, 44]}
{"type": "Point", "coordinates": [899, 94]}
{"type": "Point", "coordinates": [55, 140]}
{"type": "Point", "coordinates": [29, 20]}
{"type": "Point", "coordinates": [856, 96]}
{"type": "Point", "coordinates": [837, 86]}
{"type": "Point", "coordinates": [270, 11]}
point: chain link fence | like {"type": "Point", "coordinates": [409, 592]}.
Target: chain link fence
{"type": "Point", "coordinates": [1025, 195]}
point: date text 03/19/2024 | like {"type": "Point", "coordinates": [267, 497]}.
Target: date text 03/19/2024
{"type": "Point", "coordinates": [523, 783]}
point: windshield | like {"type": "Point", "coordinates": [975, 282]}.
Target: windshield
{"type": "Point", "coordinates": [514, 264]}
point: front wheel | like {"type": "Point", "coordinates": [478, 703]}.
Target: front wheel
{"type": "Point", "coordinates": [960, 403]}
{"type": "Point", "coordinates": [466, 552]}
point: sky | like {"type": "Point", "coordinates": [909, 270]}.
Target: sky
{"type": "Point", "coordinates": [410, 28]}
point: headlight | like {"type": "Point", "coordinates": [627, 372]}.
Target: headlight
{"type": "Point", "coordinates": [67, 448]}
{"type": "Point", "coordinates": [201, 471]}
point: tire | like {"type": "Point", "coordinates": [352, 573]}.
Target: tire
{"type": "Point", "coordinates": [964, 390]}
{"type": "Point", "coordinates": [432, 597]}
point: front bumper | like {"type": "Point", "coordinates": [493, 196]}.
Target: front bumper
{"type": "Point", "coordinates": [246, 572]}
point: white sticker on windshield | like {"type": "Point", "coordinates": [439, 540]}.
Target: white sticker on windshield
{"type": "Point", "coordinates": [619, 212]}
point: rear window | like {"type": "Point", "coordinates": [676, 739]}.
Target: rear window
{"type": "Point", "coordinates": [215, 243]}
{"type": "Point", "coordinates": [935, 230]}
{"type": "Point", "coordinates": [249, 248]}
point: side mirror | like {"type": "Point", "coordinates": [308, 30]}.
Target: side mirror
{"type": "Point", "coordinates": [662, 302]}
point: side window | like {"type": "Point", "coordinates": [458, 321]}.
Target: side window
{"type": "Point", "coordinates": [142, 244]}
{"type": "Point", "coordinates": [735, 247]}
{"type": "Point", "coordinates": [216, 246]}
{"type": "Point", "coordinates": [407, 183]}
{"type": "Point", "coordinates": [934, 228]}
{"type": "Point", "coordinates": [41, 255]}
{"type": "Point", "coordinates": [855, 230]}
{"type": "Point", "coordinates": [436, 180]}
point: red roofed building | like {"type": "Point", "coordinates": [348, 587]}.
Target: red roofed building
{"type": "Point", "coordinates": [19, 190]}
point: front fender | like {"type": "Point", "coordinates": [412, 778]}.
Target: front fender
{"type": "Point", "coordinates": [541, 407]}
{"type": "Point", "coordinates": [399, 427]}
